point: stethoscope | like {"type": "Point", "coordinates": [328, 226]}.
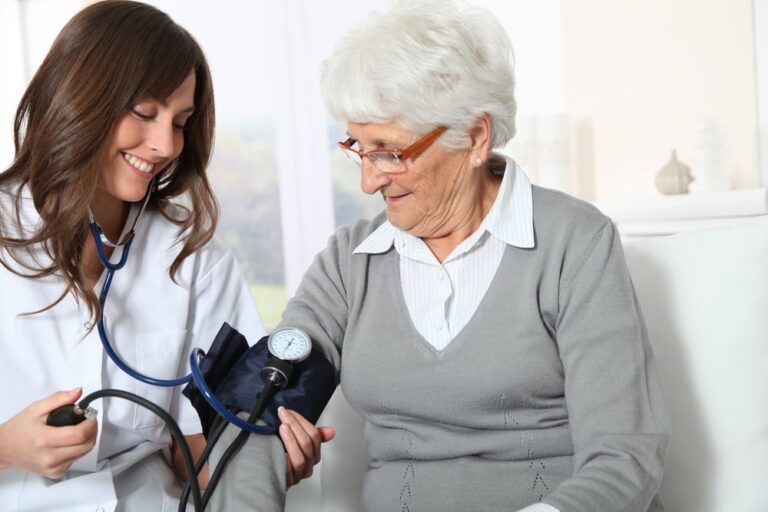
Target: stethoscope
{"type": "Point", "coordinates": [291, 345]}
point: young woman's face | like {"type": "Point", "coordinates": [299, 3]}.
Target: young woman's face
{"type": "Point", "coordinates": [145, 139]}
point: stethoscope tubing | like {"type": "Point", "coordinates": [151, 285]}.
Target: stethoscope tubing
{"type": "Point", "coordinates": [113, 355]}
{"type": "Point", "coordinates": [214, 402]}
{"type": "Point", "coordinates": [195, 374]}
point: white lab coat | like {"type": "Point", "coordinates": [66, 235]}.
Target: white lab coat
{"type": "Point", "coordinates": [154, 323]}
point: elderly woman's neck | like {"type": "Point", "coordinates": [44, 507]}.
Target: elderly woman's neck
{"type": "Point", "coordinates": [466, 216]}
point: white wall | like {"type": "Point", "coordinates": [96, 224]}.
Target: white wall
{"type": "Point", "coordinates": [542, 142]}
{"type": "Point", "coordinates": [640, 75]}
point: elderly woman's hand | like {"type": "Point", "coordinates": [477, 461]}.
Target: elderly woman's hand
{"type": "Point", "coordinates": [302, 442]}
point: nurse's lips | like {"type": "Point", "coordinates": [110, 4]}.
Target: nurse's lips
{"type": "Point", "coordinates": [140, 166]}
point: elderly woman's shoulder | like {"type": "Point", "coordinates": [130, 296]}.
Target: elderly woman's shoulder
{"type": "Point", "coordinates": [557, 213]}
{"type": "Point", "coordinates": [357, 231]}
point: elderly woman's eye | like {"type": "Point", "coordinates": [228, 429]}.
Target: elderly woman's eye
{"type": "Point", "coordinates": [380, 156]}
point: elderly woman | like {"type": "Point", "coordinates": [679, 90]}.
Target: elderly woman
{"type": "Point", "coordinates": [485, 329]}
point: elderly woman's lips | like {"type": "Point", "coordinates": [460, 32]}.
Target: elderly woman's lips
{"type": "Point", "coordinates": [395, 199]}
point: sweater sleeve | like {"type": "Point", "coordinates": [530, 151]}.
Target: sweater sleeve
{"type": "Point", "coordinates": [618, 420]}
{"type": "Point", "coordinates": [320, 306]}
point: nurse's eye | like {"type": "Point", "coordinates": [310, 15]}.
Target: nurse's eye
{"type": "Point", "coordinates": [182, 125]}
{"type": "Point", "coordinates": [142, 114]}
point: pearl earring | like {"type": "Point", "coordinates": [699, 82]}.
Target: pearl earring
{"type": "Point", "coordinates": [479, 162]}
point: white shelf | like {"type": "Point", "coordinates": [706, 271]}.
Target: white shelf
{"type": "Point", "coordinates": [671, 214]}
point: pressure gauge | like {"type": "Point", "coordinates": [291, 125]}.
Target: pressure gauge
{"type": "Point", "coordinates": [289, 344]}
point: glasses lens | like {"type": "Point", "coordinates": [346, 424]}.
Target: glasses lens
{"type": "Point", "coordinates": [352, 157]}
{"type": "Point", "coordinates": [386, 161]}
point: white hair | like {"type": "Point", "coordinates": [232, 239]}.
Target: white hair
{"type": "Point", "coordinates": [422, 64]}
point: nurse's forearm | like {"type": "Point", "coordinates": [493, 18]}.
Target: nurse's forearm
{"type": "Point", "coordinates": [196, 446]}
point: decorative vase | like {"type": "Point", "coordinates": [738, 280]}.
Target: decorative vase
{"type": "Point", "coordinates": [674, 177]}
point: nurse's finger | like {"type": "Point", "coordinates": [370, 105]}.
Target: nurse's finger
{"type": "Point", "coordinates": [298, 463]}
{"type": "Point", "coordinates": [72, 435]}
{"type": "Point", "coordinates": [53, 462]}
{"type": "Point", "coordinates": [59, 468]}
{"type": "Point", "coordinates": [54, 401]}
{"type": "Point", "coordinates": [73, 452]}
{"type": "Point", "coordinates": [325, 433]}
{"type": "Point", "coordinates": [289, 478]}
{"type": "Point", "coordinates": [318, 435]}
{"type": "Point", "coordinates": [305, 433]}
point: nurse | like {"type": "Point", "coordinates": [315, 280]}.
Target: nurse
{"type": "Point", "coordinates": [121, 107]}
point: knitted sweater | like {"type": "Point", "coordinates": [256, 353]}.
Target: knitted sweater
{"type": "Point", "coordinates": [549, 394]}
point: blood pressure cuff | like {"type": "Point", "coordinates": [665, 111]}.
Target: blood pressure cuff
{"type": "Point", "coordinates": [232, 371]}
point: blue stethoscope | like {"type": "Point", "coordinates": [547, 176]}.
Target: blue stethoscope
{"type": "Point", "coordinates": [197, 353]}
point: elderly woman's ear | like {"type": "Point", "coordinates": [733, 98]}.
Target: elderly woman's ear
{"type": "Point", "coordinates": [480, 140]}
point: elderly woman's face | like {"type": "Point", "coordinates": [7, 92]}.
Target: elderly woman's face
{"type": "Point", "coordinates": [425, 199]}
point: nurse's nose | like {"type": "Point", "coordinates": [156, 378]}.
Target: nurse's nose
{"type": "Point", "coordinates": [160, 138]}
{"type": "Point", "coordinates": [372, 179]}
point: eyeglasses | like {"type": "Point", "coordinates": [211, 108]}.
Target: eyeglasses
{"type": "Point", "coordinates": [390, 161]}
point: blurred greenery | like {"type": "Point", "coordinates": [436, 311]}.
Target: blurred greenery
{"type": "Point", "coordinates": [271, 300]}
{"type": "Point", "coordinates": [243, 173]}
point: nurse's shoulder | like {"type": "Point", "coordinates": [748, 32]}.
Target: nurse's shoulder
{"type": "Point", "coordinates": [160, 238]}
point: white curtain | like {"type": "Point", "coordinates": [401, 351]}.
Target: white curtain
{"type": "Point", "coordinates": [12, 77]}
{"type": "Point", "coordinates": [27, 29]}
{"type": "Point", "coordinates": [761, 61]}
{"type": "Point", "coordinates": [306, 195]}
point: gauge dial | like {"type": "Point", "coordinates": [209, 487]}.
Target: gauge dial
{"type": "Point", "coordinates": [289, 344]}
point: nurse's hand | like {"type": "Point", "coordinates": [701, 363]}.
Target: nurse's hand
{"type": "Point", "coordinates": [26, 442]}
{"type": "Point", "coordinates": [302, 442]}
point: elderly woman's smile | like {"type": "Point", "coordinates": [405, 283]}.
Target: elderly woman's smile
{"type": "Point", "coordinates": [432, 194]}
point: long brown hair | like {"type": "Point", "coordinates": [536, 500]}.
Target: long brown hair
{"type": "Point", "coordinates": [107, 57]}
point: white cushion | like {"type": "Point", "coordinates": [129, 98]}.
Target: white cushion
{"type": "Point", "coordinates": [704, 295]}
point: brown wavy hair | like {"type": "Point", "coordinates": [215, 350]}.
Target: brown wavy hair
{"type": "Point", "coordinates": [107, 57]}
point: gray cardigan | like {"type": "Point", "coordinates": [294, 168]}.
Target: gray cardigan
{"type": "Point", "coordinates": [549, 394]}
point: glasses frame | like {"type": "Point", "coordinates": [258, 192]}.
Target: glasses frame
{"type": "Point", "coordinates": [411, 151]}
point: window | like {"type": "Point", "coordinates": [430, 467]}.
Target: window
{"type": "Point", "coordinates": [280, 205]}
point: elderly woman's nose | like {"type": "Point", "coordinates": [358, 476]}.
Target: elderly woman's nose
{"type": "Point", "coordinates": [372, 179]}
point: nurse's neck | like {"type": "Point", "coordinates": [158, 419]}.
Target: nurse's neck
{"type": "Point", "coordinates": [111, 214]}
